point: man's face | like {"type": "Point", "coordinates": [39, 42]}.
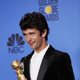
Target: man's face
{"type": "Point", "coordinates": [34, 39]}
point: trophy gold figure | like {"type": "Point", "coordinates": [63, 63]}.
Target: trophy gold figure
{"type": "Point", "coordinates": [16, 66]}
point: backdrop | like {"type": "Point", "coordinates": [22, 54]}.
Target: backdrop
{"type": "Point", "coordinates": [63, 19]}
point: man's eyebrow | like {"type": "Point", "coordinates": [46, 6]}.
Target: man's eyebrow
{"type": "Point", "coordinates": [24, 33]}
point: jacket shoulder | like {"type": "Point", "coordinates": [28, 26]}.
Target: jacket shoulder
{"type": "Point", "coordinates": [23, 59]}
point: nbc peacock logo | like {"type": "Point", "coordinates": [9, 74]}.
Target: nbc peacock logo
{"type": "Point", "coordinates": [15, 43]}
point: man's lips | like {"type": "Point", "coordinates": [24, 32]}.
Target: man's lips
{"type": "Point", "coordinates": [31, 43]}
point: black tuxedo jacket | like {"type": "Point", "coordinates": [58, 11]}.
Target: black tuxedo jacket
{"type": "Point", "coordinates": [56, 65]}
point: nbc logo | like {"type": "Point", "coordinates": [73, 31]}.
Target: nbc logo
{"type": "Point", "coordinates": [15, 43]}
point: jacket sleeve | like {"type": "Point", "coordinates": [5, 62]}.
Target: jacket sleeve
{"type": "Point", "coordinates": [64, 70]}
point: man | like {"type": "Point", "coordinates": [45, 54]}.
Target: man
{"type": "Point", "coordinates": [44, 62]}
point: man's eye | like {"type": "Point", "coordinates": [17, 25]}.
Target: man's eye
{"type": "Point", "coordinates": [25, 35]}
{"type": "Point", "coordinates": [32, 33]}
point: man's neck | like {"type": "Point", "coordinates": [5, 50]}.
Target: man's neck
{"type": "Point", "coordinates": [41, 48]}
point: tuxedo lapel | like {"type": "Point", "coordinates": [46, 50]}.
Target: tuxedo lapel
{"type": "Point", "coordinates": [45, 63]}
{"type": "Point", "coordinates": [27, 66]}
{"type": "Point", "coordinates": [42, 70]}
{"type": "Point", "coordinates": [28, 70]}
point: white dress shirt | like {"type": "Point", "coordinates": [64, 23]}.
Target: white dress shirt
{"type": "Point", "coordinates": [36, 62]}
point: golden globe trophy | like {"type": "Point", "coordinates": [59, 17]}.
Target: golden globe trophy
{"type": "Point", "coordinates": [16, 66]}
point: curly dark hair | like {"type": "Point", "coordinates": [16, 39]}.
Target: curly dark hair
{"type": "Point", "coordinates": [34, 20]}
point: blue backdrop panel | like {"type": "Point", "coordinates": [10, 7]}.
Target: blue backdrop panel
{"type": "Point", "coordinates": [64, 32]}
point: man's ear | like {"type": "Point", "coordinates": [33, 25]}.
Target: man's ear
{"type": "Point", "coordinates": [44, 33]}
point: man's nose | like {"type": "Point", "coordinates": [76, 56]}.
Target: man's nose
{"type": "Point", "coordinates": [28, 38]}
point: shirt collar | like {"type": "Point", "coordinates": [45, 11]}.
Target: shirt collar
{"type": "Point", "coordinates": [43, 51]}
